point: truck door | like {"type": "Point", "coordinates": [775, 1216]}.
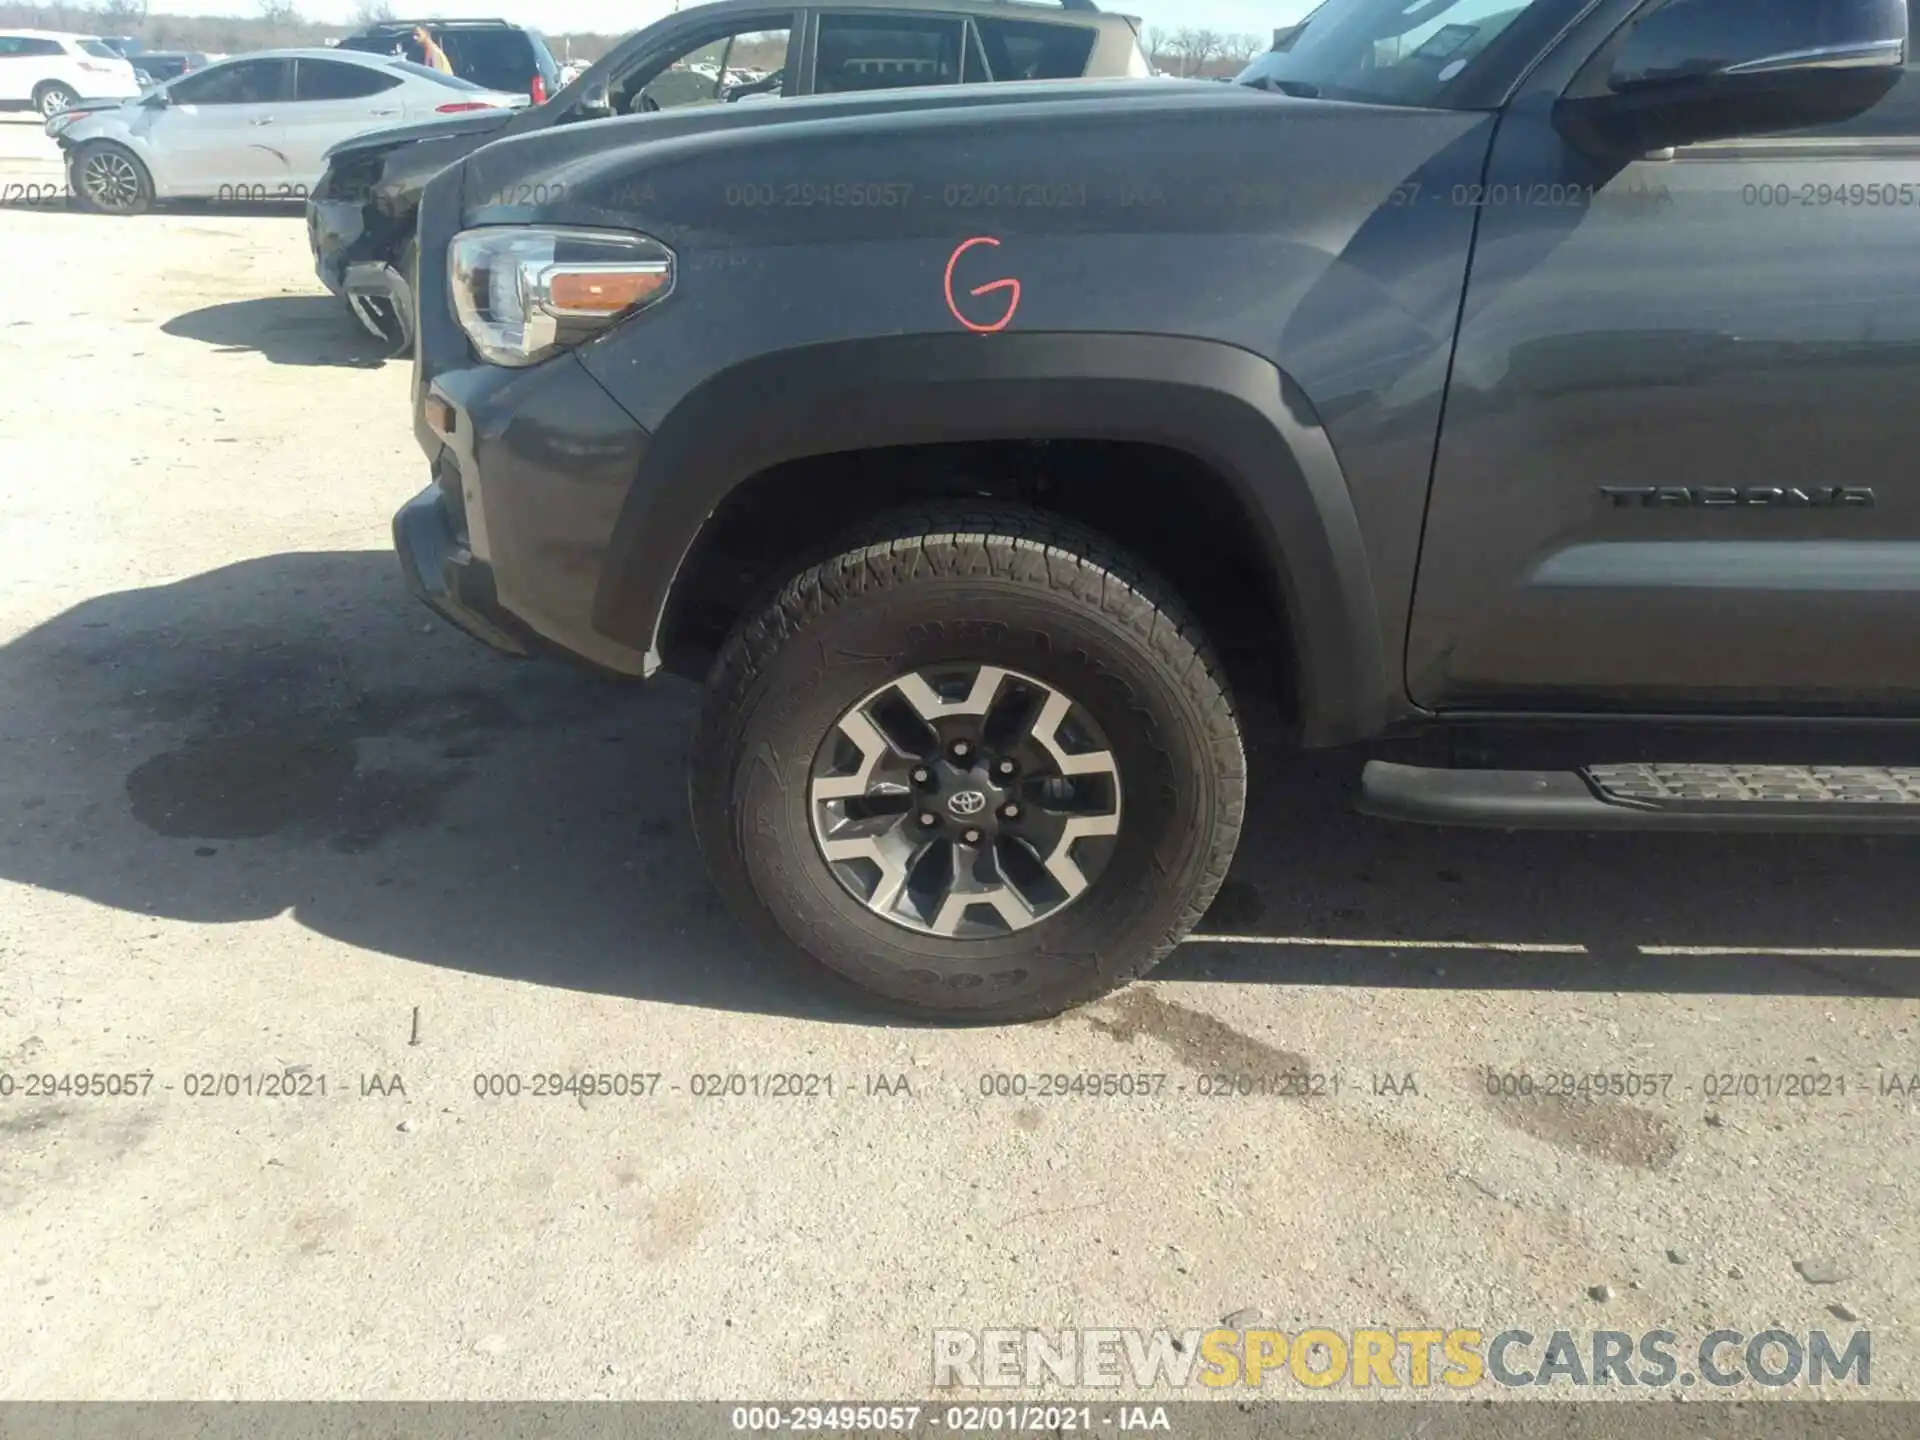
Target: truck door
{"type": "Point", "coordinates": [1677, 468]}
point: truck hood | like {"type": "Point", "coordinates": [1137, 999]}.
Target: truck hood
{"type": "Point", "coordinates": [474, 124]}
{"type": "Point", "coordinates": [579, 155]}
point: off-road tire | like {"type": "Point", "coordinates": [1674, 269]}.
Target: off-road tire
{"type": "Point", "coordinates": [987, 584]}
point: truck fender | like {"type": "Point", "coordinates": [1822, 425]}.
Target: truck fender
{"type": "Point", "coordinates": [1227, 407]}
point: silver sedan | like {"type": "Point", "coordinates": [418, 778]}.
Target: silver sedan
{"type": "Point", "coordinates": [249, 129]}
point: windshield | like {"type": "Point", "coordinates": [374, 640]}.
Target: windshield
{"type": "Point", "coordinates": [1395, 52]}
{"type": "Point", "coordinates": [543, 57]}
{"type": "Point", "coordinates": [497, 59]}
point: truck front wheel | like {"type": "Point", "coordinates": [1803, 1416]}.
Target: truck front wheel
{"type": "Point", "coordinates": [981, 765]}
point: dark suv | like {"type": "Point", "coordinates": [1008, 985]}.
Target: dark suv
{"type": "Point", "coordinates": [491, 53]}
{"type": "Point", "coordinates": [152, 67]}
{"type": "Point", "coordinates": [163, 65]}
{"type": "Point", "coordinates": [1525, 393]}
{"type": "Point", "coordinates": [361, 214]}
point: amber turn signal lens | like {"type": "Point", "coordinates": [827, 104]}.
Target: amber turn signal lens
{"type": "Point", "coordinates": [604, 292]}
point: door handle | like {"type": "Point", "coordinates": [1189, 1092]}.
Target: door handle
{"type": "Point", "coordinates": [267, 121]}
{"type": "Point", "coordinates": [383, 112]}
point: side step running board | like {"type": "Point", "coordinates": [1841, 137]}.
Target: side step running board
{"type": "Point", "coordinates": [1861, 799]}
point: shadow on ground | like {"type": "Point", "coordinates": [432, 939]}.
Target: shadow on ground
{"type": "Point", "coordinates": [52, 195]}
{"type": "Point", "coordinates": [286, 329]}
{"type": "Point", "coordinates": [1309, 866]}
{"type": "Point", "coordinates": [294, 732]}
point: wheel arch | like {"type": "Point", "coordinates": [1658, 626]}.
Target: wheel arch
{"type": "Point", "coordinates": [1242, 446]}
{"type": "Point", "coordinates": [135, 150]}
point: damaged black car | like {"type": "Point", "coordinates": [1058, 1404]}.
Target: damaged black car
{"type": "Point", "coordinates": [361, 216]}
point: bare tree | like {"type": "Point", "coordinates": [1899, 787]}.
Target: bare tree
{"type": "Point", "coordinates": [1156, 44]}
{"type": "Point", "coordinates": [1180, 46]}
{"type": "Point", "coordinates": [1195, 48]}
{"type": "Point", "coordinates": [121, 16]}
{"type": "Point", "coordinates": [48, 17]}
{"type": "Point", "coordinates": [1240, 48]}
{"type": "Point", "coordinates": [373, 12]}
{"type": "Point", "coordinates": [271, 24]}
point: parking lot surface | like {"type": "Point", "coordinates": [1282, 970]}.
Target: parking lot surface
{"type": "Point", "coordinates": [265, 824]}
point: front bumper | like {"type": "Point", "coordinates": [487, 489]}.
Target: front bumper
{"type": "Point", "coordinates": [530, 470]}
{"type": "Point", "coordinates": [333, 228]}
{"type": "Point", "coordinates": [440, 570]}
{"type": "Point", "coordinates": [381, 300]}
{"type": "Point", "coordinates": [357, 262]}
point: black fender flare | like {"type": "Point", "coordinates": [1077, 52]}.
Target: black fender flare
{"type": "Point", "coordinates": [1227, 407]}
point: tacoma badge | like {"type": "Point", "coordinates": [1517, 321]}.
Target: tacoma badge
{"type": "Point", "coordinates": [1826, 497]}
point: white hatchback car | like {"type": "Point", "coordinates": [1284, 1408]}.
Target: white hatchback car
{"type": "Point", "coordinates": [249, 129]}
{"type": "Point", "coordinates": [50, 70]}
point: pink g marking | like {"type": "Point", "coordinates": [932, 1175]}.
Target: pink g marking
{"type": "Point", "coordinates": [1013, 300]}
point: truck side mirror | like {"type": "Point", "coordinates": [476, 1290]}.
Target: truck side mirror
{"type": "Point", "coordinates": [1698, 70]}
{"type": "Point", "coordinates": [595, 102]}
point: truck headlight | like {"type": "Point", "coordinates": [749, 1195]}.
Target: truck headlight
{"type": "Point", "coordinates": [523, 292]}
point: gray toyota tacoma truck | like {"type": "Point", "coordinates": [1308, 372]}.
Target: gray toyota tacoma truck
{"type": "Point", "coordinates": [1523, 390]}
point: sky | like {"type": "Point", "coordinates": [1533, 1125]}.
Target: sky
{"type": "Point", "coordinates": [619, 17]}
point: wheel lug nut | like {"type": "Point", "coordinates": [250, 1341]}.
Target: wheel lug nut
{"type": "Point", "coordinates": [973, 837]}
{"type": "Point", "coordinates": [929, 819]}
{"type": "Point", "coordinates": [961, 747]}
{"type": "Point", "coordinates": [1009, 812]}
{"type": "Point", "coordinates": [921, 777]}
{"type": "Point", "coordinates": [1005, 767]}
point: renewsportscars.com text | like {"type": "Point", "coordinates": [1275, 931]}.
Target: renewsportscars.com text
{"type": "Point", "coordinates": [1412, 1358]}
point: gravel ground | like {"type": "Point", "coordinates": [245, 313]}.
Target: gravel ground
{"type": "Point", "coordinates": [258, 811]}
